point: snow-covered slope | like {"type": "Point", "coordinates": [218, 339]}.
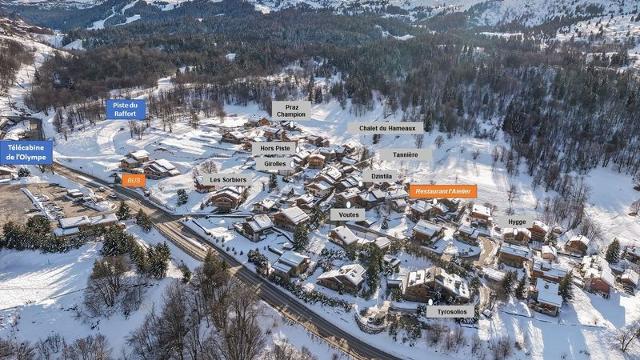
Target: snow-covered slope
{"type": "Point", "coordinates": [536, 12]}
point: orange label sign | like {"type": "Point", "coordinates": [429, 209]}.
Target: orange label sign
{"type": "Point", "coordinates": [134, 180]}
{"type": "Point", "coordinates": [443, 191]}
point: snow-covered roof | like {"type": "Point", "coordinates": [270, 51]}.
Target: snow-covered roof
{"type": "Point", "coordinates": [72, 222]}
{"type": "Point", "coordinates": [597, 267]}
{"type": "Point", "coordinates": [139, 154]}
{"type": "Point", "coordinates": [282, 267]}
{"type": "Point", "coordinates": [515, 250]}
{"type": "Point", "coordinates": [260, 222]}
{"type": "Point", "coordinates": [549, 250]}
{"type": "Point", "coordinates": [76, 221]}
{"type": "Point", "coordinates": [321, 185]}
{"type": "Point", "coordinates": [540, 225]}
{"type": "Point", "coordinates": [292, 258]}
{"type": "Point", "coordinates": [427, 228]}
{"type": "Point", "coordinates": [65, 232]}
{"type": "Point", "coordinates": [332, 173]}
{"type": "Point", "coordinates": [295, 214]}
{"type": "Point", "coordinates": [481, 209]}
{"type": "Point", "coordinates": [580, 238]}
{"type": "Point", "coordinates": [354, 273]}
{"type": "Point", "coordinates": [548, 293]}
{"type": "Point", "coordinates": [9, 170]}
{"type": "Point", "coordinates": [345, 235]}
{"type": "Point", "coordinates": [493, 274]}
{"type": "Point", "coordinates": [382, 242]}
{"type": "Point", "coordinates": [549, 269]}
{"type": "Point", "coordinates": [164, 164]}
{"type": "Point", "coordinates": [468, 231]}
{"type": "Point", "coordinates": [453, 282]}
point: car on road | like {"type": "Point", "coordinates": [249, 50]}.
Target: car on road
{"type": "Point", "coordinates": [112, 196]}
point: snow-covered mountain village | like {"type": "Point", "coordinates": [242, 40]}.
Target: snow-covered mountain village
{"type": "Point", "coordinates": [319, 180]}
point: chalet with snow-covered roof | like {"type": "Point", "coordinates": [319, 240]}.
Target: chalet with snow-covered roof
{"type": "Point", "coordinates": [467, 234]}
{"type": "Point", "coordinates": [289, 218]}
{"type": "Point", "coordinates": [305, 201]}
{"type": "Point", "coordinates": [546, 297]}
{"type": "Point", "coordinates": [257, 227]}
{"type": "Point", "coordinates": [436, 284]}
{"type": "Point", "coordinates": [343, 236]}
{"type": "Point", "coordinates": [629, 280]}
{"type": "Point", "coordinates": [317, 140]}
{"type": "Point", "coordinates": [578, 244]}
{"type": "Point", "coordinates": [514, 255]}
{"type": "Point", "coordinates": [330, 174]}
{"type": "Point", "coordinates": [427, 233]}
{"type": "Point", "coordinates": [348, 278]}
{"type": "Point", "coordinates": [632, 253]}
{"type": "Point", "coordinates": [226, 199]}
{"type": "Point", "coordinates": [319, 188]}
{"type": "Point", "coordinates": [256, 122]}
{"type": "Point", "coordinates": [290, 264]}
{"type": "Point", "coordinates": [316, 161]}
{"type": "Point", "coordinates": [160, 169]}
{"type": "Point", "coordinates": [272, 133]}
{"type": "Point", "coordinates": [266, 205]}
{"type": "Point", "coordinates": [300, 158]}
{"type": "Point", "coordinates": [547, 270]}
{"type": "Point", "coordinates": [597, 275]}
{"type": "Point", "coordinates": [518, 236]}
{"type": "Point", "coordinates": [348, 196]}
{"type": "Point", "coordinates": [539, 231]}
{"type": "Point", "coordinates": [481, 214]}
{"type": "Point", "coordinates": [134, 159]}
{"type": "Point", "coordinates": [549, 252]}
{"type": "Point", "coordinates": [233, 137]}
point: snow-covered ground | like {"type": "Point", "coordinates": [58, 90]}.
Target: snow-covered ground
{"type": "Point", "coordinates": [614, 29]}
{"type": "Point", "coordinates": [41, 294]}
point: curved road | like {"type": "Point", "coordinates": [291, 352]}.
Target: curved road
{"type": "Point", "coordinates": [170, 226]}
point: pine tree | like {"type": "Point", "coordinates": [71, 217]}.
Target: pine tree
{"type": "Point", "coordinates": [521, 288]}
{"type": "Point", "coordinates": [143, 220]}
{"type": "Point", "coordinates": [507, 282]}
{"type": "Point", "coordinates": [273, 182]}
{"type": "Point", "coordinates": [123, 212]}
{"type": "Point", "coordinates": [300, 237]}
{"type": "Point", "coordinates": [565, 287]}
{"type": "Point", "coordinates": [613, 252]}
{"type": "Point", "coordinates": [183, 197]}
{"type": "Point", "coordinates": [158, 257]}
{"type": "Point", "coordinates": [24, 172]}
{"type": "Point", "coordinates": [116, 242]}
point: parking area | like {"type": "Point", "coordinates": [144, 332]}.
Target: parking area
{"type": "Point", "coordinates": [16, 204]}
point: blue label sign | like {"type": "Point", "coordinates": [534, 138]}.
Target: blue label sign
{"type": "Point", "coordinates": [26, 152]}
{"type": "Point", "coordinates": [123, 109]}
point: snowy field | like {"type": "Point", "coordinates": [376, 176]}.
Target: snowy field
{"type": "Point", "coordinates": [41, 294]}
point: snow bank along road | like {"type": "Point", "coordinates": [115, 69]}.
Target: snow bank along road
{"type": "Point", "coordinates": [170, 227]}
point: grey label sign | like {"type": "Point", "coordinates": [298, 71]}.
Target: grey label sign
{"type": "Point", "coordinates": [390, 128]}
{"type": "Point", "coordinates": [226, 179]}
{"type": "Point", "coordinates": [405, 154]}
{"type": "Point", "coordinates": [346, 215]}
{"type": "Point", "coordinates": [291, 110]}
{"type": "Point", "coordinates": [378, 176]}
{"type": "Point", "coordinates": [450, 311]}
{"type": "Point", "coordinates": [274, 163]}
{"type": "Point", "coordinates": [273, 148]}
{"type": "Point", "coordinates": [523, 219]}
